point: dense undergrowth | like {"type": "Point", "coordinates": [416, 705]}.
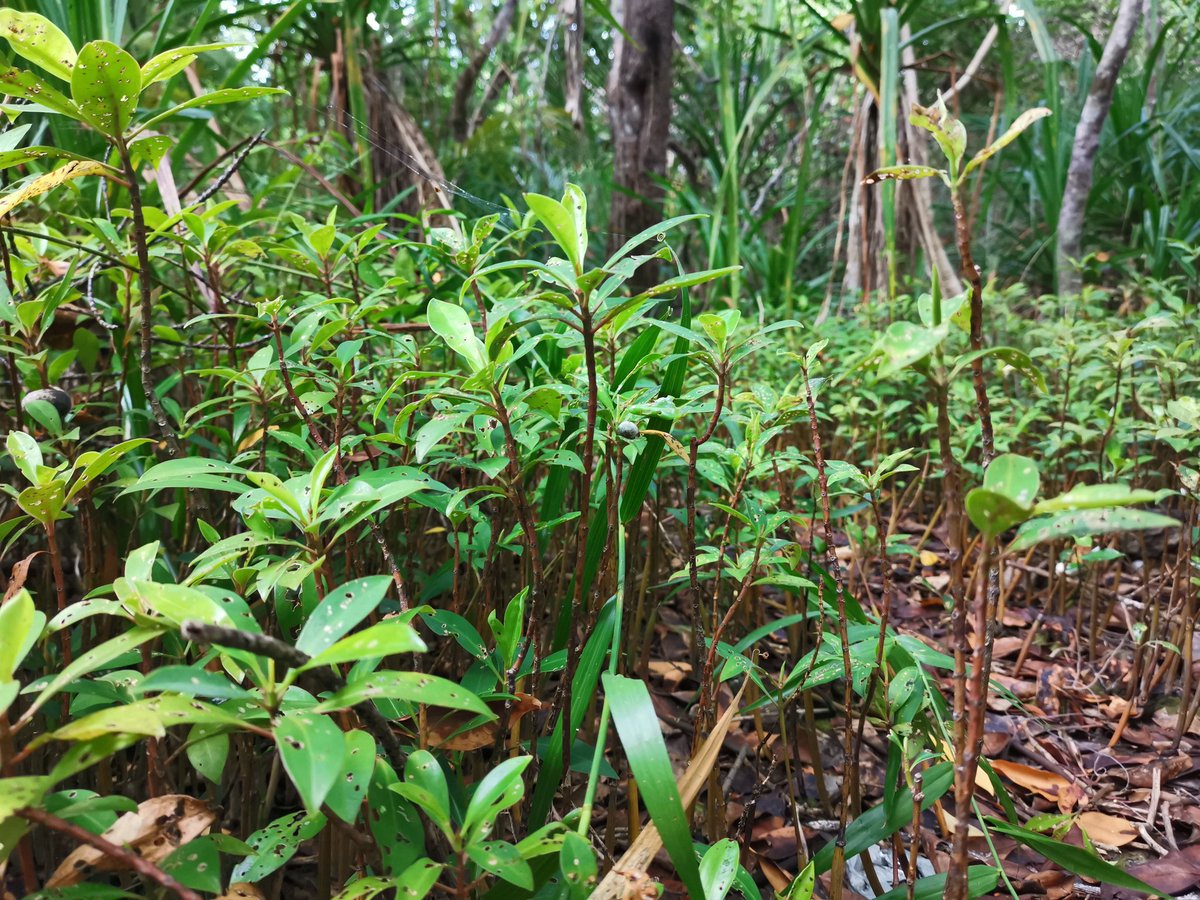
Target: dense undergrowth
{"type": "Point", "coordinates": [339, 559]}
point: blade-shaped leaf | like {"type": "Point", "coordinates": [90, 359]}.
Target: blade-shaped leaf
{"type": "Point", "coordinates": [637, 725]}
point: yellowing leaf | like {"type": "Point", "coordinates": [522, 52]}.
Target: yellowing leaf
{"type": "Point", "coordinates": [929, 558]}
{"type": "Point", "coordinates": [76, 168]}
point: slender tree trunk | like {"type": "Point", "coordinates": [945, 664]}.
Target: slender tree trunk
{"type": "Point", "coordinates": [573, 41]}
{"type": "Point", "coordinates": [459, 117]}
{"type": "Point", "coordinates": [1087, 143]}
{"type": "Point", "coordinates": [639, 103]}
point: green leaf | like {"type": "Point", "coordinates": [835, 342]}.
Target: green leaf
{"type": "Point", "coordinates": [349, 789]}
{"type": "Point", "coordinates": [27, 86]}
{"type": "Point", "coordinates": [905, 344]}
{"type": "Point", "coordinates": [105, 85]}
{"type": "Point", "coordinates": [802, 886]}
{"type": "Point", "coordinates": [500, 788]}
{"type": "Point", "coordinates": [561, 223]}
{"type": "Point", "coordinates": [583, 688]}
{"type": "Point", "coordinates": [395, 824]}
{"type": "Point", "coordinates": [26, 453]}
{"type": "Point", "coordinates": [885, 819]}
{"type": "Point", "coordinates": [1010, 486]}
{"type": "Point", "coordinates": [1086, 522]}
{"type": "Point", "coordinates": [92, 661]}
{"type": "Point", "coordinates": [342, 609]}
{"type": "Point", "coordinates": [637, 725]}
{"type": "Point", "coordinates": [383, 639]}
{"type": "Point", "coordinates": [275, 844]}
{"type": "Point", "coordinates": [215, 98]}
{"type": "Point", "coordinates": [94, 464]}
{"type": "Point", "coordinates": [312, 748]}
{"type": "Point", "coordinates": [197, 865]}
{"type": "Point", "coordinates": [43, 501]}
{"type": "Point", "coordinates": [415, 687]}
{"type": "Point", "coordinates": [1072, 858]}
{"type": "Point", "coordinates": [175, 602]}
{"type": "Point", "coordinates": [425, 777]}
{"type": "Point", "coordinates": [718, 869]}
{"type": "Point", "coordinates": [194, 473]}
{"type": "Point", "coordinates": [452, 325]}
{"type": "Point", "coordinates": [37, 39]}
{"type": "Point", "coordinates": [948, 131]}
{"type": "Point", "coordinates": [20, 624]}
{"type": "Point", "coordinates": [981, 881]}
{"type": "Point", "coordinates": [172, 62]}
{"type": "Point", "coordinates": [16, 793]}
{"type": "Point", "coordinates": [578, 863]}
{"type": "Point", "coordinates": [1096, 496]}
{"type": "Point", "coordinates": [501, 859]}
{"type": "Point", "coordinates": [207, 750]}
{"type": "Point", "coordinates": [191, 681]}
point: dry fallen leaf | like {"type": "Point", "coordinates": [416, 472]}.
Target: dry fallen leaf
{"type": "Point", "coordinates": [1143, 776]}
{"type": "Point", "coordinates": [1067, 794]}
{"type": "Point", "coordinates": [242, 891]}
{"type": "Point", "coordinates": [153, 831]}
{"type": "Point", "coordinates": [776, 875]}
{"type": "Point", "coordinates": [446, 733]}
{"type": "Point", "coordinates": [1112, 831]}
{"type": "Point", "coordinates": [952, 823]}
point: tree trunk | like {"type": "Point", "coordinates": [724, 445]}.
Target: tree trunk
{"type": "Point", "coordinates": [1087, 143]}
{"type": "Point", "coordinates": [573, 40]}
{"type": "Point", "coordinates": [459, 117]}
{"type": "Point", "coordinates": [639, 103]}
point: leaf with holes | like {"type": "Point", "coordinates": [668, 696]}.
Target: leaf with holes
{"type": "Point", "coordinates": [105, 84]}
{"type": "Point", "coordinates": [342, 609]}
{"type": "Point", "coordinates": [413, 687]}
{"type": "Point", "coordinates": [578, 863]}
{"type": "Point", "coordinates": [1087, 522]}
{"type": "Point", "coordinates": [43, 501]}
{"type": "Point", "coordinates": [349, 789]}
{"type": "Point", "coordinates": [1097, 496]}
{"type": "Point", "coordinates": [382, 639]}
{"type": "Point", "coordinates": [37, 39]}
{"type": "Point", "coordinates": [395, 824]}
{"type": "Point", "coordinates": [172, 62]}
{"type": "Point", "coordinates": [718, 869]}
{"type": "Point", "coordinates": [48, 182]}
{"type": "Point", "coordinates": [15, 793]}
{"type": "Point", "coordinates": [312, 748]}
{"type": "Point", "coordinates": [452, 324]}
{"type": "Point", "coordinates": [24, 84]}
{"type": "Point", "coordinates": [501, 859]}
{"type": "Point", "coordinates": [275, 844]}
{"type": "Point", "coordinates": [499, 789]}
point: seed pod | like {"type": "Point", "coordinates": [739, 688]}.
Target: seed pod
{"type": "Point", "coordinates": [628, 430]}
{"type": "Point", "coordinates": [56, 397]}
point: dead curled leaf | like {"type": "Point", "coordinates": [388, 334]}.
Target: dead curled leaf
{"type": "Point", "coordinates": [153, 831]}
{"type": "Point", "coordinates": [1112, 831]}
{"type": "Point", "coordinates": [20, 571]}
